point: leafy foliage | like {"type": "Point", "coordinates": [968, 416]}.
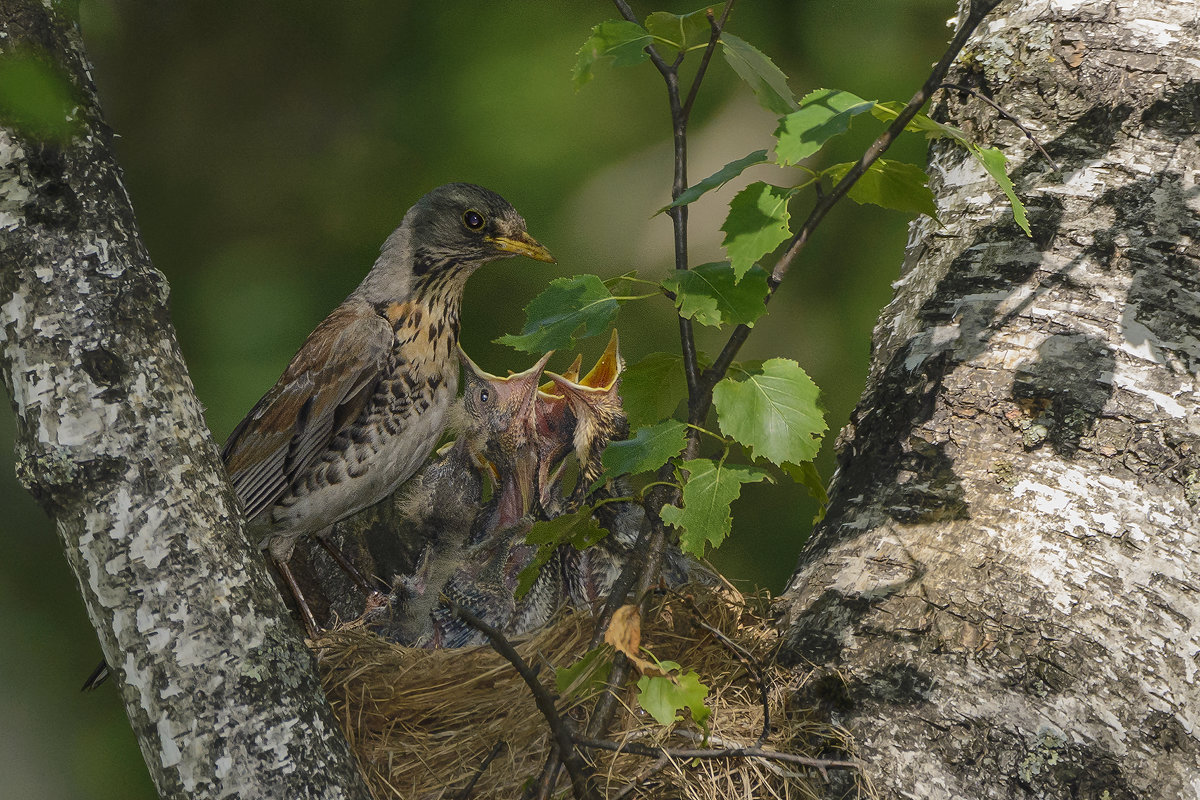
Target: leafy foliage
{"type": "Point", "coordinates": [711, 294]}
{"type": "Point", "coordinates": [664, 698]}
{"type": "Point", "coordinates": [584, 675]}
{"type": "Point", "coordinates": [889, 184]}
{"type": "Point", "coordinates": [578, 529]}
{"type": "Point", "coordinates": [624, 633]}
{"type": "Point", "coordinates": [920, 123]}
{"type": "Point", "coordinates": [710, 488]}
{"type": "Point", "coordinates": [652, 389]}
{"type": "Point", "coordinates": [822, 115]}
{"type": "Point", "coordinates": [766, 80]}
{"type": "Point", "coordinates": [621, 42]}
{"type": "Point", "coordinates": [648, 450]}
{"type": "Point", "coordinates": [993, 160]}
{"type": "Point", "coordinates": [718, 179]}
{"type": "Point", "coordinates": [554, 317]}
{"type": "Point", "coordinates": [756, 225]}
{"type": "Point", "coordinates": [807, 476]}
{"type": "Point", "coordinates": [682, 32]}
{"type": "Point", "coordinates": [772, 410]}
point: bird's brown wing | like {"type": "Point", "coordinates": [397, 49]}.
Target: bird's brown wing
{"type": "Point", "coordinates": [323, 389]}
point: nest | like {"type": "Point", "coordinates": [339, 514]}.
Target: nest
{"type": "Point", "coordinates": [424, 723]}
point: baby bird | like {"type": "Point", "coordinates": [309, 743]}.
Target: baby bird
{"type": "Point", "coordinates": [363, 402]}
{"type": "Point", "coordinates": [443, 505]}
{"type": "Point", "coordinates": [599, 417]}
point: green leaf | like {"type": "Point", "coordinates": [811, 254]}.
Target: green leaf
{"type": "Point", "coordinates": [648, 450]}
{"type": "Point", "coordinates": [890, 184]}
{"type": "Point", "coordinates": [993, 161]}
{"type": "Point", "coordinates": [772, 410]}
{"type": "Point", "coordinates": [682, 31]}
{"type": "Point", "coordinates": [617, 40]}
{"type": "Point", "coordinates": [663, 698]}
{"type": "Point", "coordinates": [807, 476]}
{"type": "Point", "coordinates": [718, 179]}
{"type": "Point", "coordinates": [710, 488]}
{"type": "Point", "coordinates": [757, 223]}
{"type": "Point", "coordinates": [652, 388]}
{"type": "Point", "coordinates": [554, 317]}
{"type": "Point", "coordinates": [822, 115]}
{"type": "Point", "coordinates": [711, 294]}
{"type": "Point", "coordinates": [920, 123]}
{"type": "Point", "coordinates": [578, 529]}
{"type": "Point", "coordinates": [766, 80]}
{"type": "Point", "coordinates": [586, 674]}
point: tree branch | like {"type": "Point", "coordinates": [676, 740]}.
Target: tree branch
{"type": "Point", "coordinates": [577, 768]}
{"type": "Point", "coordinates": [746, 659]}
{"type": "Point", "coordinates": [978, 10]}
{"type": "Point", "coordinates": [1002, 112]}
{"type": "Point", "coordinates": [112, 442]}
{"type": "Point", "coordinates": [713, 40]}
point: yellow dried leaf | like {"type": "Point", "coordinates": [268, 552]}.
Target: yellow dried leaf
{"type": "Point", "coordinates": [625, 634]}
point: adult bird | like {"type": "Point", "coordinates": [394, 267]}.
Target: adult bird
{"type": "Point", "coordinates": [363, 402]}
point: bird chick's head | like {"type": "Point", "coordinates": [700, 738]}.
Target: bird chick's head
{"type": "Point", "coordinates": [500, 410]}
{"type": "Point", "coordinates": [503, 426]}
{"type": "Point", "coordinates": [595, 400]}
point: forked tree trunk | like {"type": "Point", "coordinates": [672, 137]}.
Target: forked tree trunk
{"type": "Point", "coordinates": [1004, 601]}
{"type": "Point", "coordinates": [220, 690]}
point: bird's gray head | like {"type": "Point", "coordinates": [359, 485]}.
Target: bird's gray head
{"type": "Point", "coordinates": [447, 235]}
{"type": "Point", "coordinates": [469, 224]}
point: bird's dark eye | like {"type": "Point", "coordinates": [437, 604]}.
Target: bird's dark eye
{"type": "Point", "coordinates": [473, 219]}
{"type": "Point", "coordinates": [483, 395]}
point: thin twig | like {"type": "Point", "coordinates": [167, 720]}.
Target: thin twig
{"type": "Point", "coordinates": [1000, 110]}
{"type": "Point", "coordinates": [655, 58]}
{"type": "Point", "coordinates": [487, 762]}
{"type": "Point", "coordinates": [539, 790]}
{"type": "Point", "coordinates": [643, 776]}
{"type": "Point", "coordinates": [716, 27]}
{"type": "Point", "coordinates": [606, 706]}
{"type": "Point", "coordinates": [680, 113]}
{"type": "Point", "coordinates": [635, 749]}
{"type": "Point", "coordinates": [548, 778]}
{"type": "Point", "coordinates": [577, 768]}
{"type": "Point", "coordinates": [624, 582]}
{"type": "Point", "coordinates": [746, 659]}
{"type": "Point", "coordinates": [978, 10]}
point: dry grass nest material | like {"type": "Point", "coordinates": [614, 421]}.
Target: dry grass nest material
{"type": "Point", "coordinates": [422, 722]}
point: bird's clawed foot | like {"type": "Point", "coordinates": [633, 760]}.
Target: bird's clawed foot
{"type": "Point", "coordinates": [306, 615]}
{"type": "Point", "coordinates": [375, 600]}
{"type": "Point", "coordinates": [348, 567]}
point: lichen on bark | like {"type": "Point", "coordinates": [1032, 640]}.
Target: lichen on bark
{"type": "Point", "coordinates": [1002, 600]}
{"type": "Point", "coordinates": [111, 440]}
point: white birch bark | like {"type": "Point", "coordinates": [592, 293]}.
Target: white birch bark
{"type": "Point", "coordinates": [219, 687]}
{"type": "Point", "coordinates": [1004, 601]}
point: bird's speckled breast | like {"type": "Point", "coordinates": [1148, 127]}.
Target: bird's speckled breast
{"type": "Point", "coordinates": [398, 427]}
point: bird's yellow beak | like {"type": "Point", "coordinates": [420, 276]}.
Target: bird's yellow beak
{"type": "Point", "coordinates": [522, 244]}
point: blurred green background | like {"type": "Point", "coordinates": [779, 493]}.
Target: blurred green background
{"type": "Point", "coordinates": [269, 148]}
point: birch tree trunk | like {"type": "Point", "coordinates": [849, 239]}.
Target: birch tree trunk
{"type": "Point", "coordinates": [1004, 601]}
{"type": "Point", "coordinates": [219, 688]}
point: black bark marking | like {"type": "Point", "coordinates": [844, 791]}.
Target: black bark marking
{"type": "Point", "coordinates": [1064, 390]}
